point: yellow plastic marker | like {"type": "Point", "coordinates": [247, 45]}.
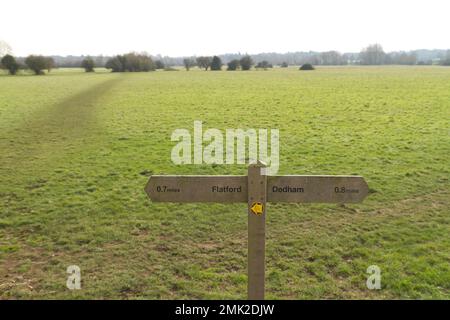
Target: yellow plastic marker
{"type": "Point", "coordinates": [257, 208]}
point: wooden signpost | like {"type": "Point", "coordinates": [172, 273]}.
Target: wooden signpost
{"type": "Point", "coordinates": [257, 189]}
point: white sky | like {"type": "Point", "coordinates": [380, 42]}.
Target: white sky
{"type": "Point", "coordinates": [195, 27]}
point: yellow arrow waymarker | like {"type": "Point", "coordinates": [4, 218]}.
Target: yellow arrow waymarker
{"type": "Point", "coordinates": [257, 208]}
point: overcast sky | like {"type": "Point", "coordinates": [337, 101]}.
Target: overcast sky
{"type": "Point", "coordinates": [205, 27]}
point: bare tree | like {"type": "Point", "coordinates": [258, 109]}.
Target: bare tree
{"type": "Point", "coordinates": [188, 63]}
{"type": "Point", "coordinates": [4, 48]}
{"type": "Point", "coordinates": [446, 61]}
{"type": "Point", "coordinates": [331, 58]}
{"type": "Point", "coordinates": [49, 64]}
{"type": "Point", "coordinates": [372, 55]}
{"type": "Point", "coordinates": [204, 62]}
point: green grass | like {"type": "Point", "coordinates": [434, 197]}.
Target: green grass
{"type": "Point", "coordinates": [77, 149]}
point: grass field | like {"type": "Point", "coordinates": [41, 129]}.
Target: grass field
{"type": "Point", "coordinates": [77, 150]}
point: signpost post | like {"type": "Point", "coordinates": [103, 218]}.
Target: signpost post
{"type": "Point", "coordinates": [257, 189]}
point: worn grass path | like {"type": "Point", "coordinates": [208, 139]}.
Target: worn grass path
{"type": "Point", "coordinates": [49, 130]}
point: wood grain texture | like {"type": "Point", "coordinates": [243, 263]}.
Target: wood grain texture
{"type": "Point", "coordinates": [257, 183]}
{"type": "Point", "coordinates": [318, 189]}
{"type": "Point", "coordinates": [225, 189]}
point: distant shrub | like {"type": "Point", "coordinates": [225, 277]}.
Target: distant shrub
{"type": "Point", "coordinates": [170, 69]}
{"type": "Point", "coordinates": [246, 63]}
{"type": "Point", "coordinates": [37, 63]}
{"type": "Point", "coordinates": [130, 62]}
{"type": "Point", "coordinates": [233, 65]}
{"type": "Point", "coordinates": [216, 64]}
{"type": "Point", "coordinates": [284, 65]}
{"type": "Point", "coordinates": [88, 64]}
{"type": "Point", "coordinates": [9, 63]}
{"type": "Point", "coordinates": [425, 63]}
{"type": "Point", "coordinates": [307, 66]}
{"type": "Point", "coordinates": [159, 64]}
{"type": "Point", "coordinates": [264, 65]}
{"type": "Point", "coordinates": [138, 62]}
{"type": "Point", "coordinates": [115, 64]}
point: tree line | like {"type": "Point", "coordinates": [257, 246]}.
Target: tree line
{"type": "Point", "coordinates": [130, 62]}
{"type": "Point", "coordinates": [375, 55]}
{"type": "Point", "coordinates": [215, 63]}
{"type": "Point", "coordinates": [142, 62]}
